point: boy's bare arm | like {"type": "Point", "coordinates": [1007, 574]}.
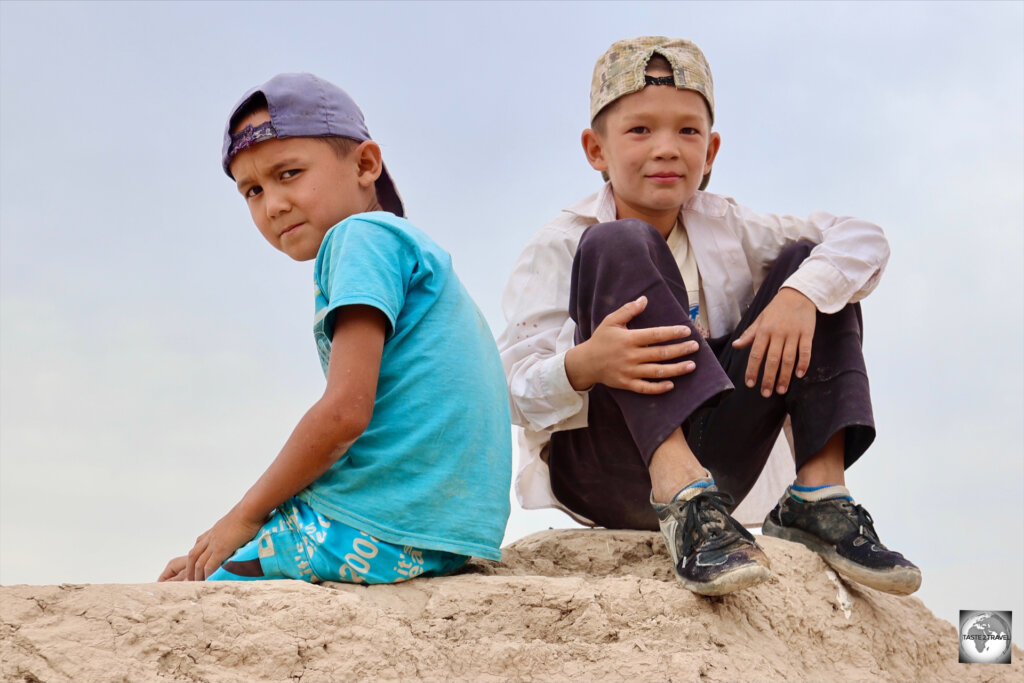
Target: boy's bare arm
{"type": "Point", "coordinates": [619, 357]}
{"type": "Point", "coordinates": [322, 436]}
{"type": "Point", "coordinates": [780, 338]}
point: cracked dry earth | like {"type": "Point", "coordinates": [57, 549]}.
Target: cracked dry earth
{"type": "Point", "coordinates": [575, 605]}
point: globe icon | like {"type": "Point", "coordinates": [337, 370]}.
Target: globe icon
{"type": "Point", "coordinates": [985, 638]}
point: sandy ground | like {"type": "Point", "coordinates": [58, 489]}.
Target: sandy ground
{"type": "Point", "coordinates": [563, 606]}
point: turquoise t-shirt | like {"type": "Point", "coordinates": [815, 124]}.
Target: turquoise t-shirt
{"type": "Point", "coordinates": [433, 467]}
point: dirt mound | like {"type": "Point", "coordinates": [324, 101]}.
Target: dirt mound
{"type": "Point", "coordinates": [574, 605]}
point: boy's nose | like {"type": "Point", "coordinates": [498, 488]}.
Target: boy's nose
{"type": "Point", "coordinates": [276, 203]}
{"type": "Point", "coordinates": [665, 147]}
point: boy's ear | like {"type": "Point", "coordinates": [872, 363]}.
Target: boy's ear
{"type": "Point", "coordinates": [714, 143]}
{"type": "Point", "coordinates": [368, 159]}
{"type": "Point", "coordinates": [594, 149]}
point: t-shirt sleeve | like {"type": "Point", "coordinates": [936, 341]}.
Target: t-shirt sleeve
{"type": "Point", "coordinates": [365, 263]}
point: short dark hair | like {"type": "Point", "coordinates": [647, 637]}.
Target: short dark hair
{"type": "Point", "coordinates": [256, 103]}
{"type": "Point", "coordinates": [341, 146]}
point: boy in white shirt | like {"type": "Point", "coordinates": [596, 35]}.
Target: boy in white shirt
{"type": "Point", "coordinates": [634, 314]}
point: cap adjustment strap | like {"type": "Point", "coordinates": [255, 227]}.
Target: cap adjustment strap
{"type": "Point", "coordinates": [249, 136]}
{"type": "Point", "coordinates": [659, 80]}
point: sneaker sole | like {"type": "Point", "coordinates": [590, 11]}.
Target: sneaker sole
{"type": "Point", "coordinates": [737, 579]}
{"type": "Point", "coordinates": [898, 581]}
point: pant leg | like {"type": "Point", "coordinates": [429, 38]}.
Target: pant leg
{"type": "Point", "coordinates": [734, 438]}
{"type": "Point", "coordinates": [600, 471]}
{"type": "Point", "coordinates": [298, 543]}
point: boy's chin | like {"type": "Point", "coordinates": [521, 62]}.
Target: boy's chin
{"type": "Point", "coordinates": [660, 207]}
{"type": "Point", "coordinates": [660, 201]}
{"type": "Point", "coordinates": [299, 255]}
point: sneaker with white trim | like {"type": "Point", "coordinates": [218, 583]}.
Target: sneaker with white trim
{"type": "Point", "coordinates": [844, 535]}
{"type": "Point", "coordinates": [712, 553]}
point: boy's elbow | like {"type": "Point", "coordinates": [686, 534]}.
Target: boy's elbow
{"type": "Point", "coordinates": [346, 420]}
{"type": "Point", "coordinates": [882, 250]}
{"type": "Point", "coordinates": [353, 422]}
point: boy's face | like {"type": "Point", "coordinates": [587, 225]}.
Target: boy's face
{"type": "Point", "coordinates": [299, 188]}
{"type": "Point", "coordinates": [656, 145]}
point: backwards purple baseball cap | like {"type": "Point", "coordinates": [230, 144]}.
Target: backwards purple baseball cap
{"type": "Point", "coordinates": [302, 105]}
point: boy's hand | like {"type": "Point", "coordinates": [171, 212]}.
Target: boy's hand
{"type": "Point", "coordinates": [780, 337]}
{"type": "Point", "coordinates": [213, 547]}
{"type": "Point", "coordinates": [619, 357]}
{"type": "Point", "coordinates": [175, 570]}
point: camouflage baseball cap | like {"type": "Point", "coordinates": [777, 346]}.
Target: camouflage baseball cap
{"type": "Point", "coordinates": [620, 70]}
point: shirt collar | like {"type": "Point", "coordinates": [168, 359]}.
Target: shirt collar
{"type": "Point", "coordinates": [601, 206]}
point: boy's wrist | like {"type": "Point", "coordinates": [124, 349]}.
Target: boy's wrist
{"type": "Point", "coordinates": [790, 291]}
{"type": "Point", "coordinates": [576, 365]}
{"type": "Point", "coordinates": [250, 511]}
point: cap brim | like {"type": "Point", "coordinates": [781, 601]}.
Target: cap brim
{"type": "Point", "coordinates": [387, 193]}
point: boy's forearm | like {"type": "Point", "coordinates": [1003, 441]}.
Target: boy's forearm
{"type": "Point", "coordinates": [317, 442]}
{"type": "Point", "coordinates": [330, 427]}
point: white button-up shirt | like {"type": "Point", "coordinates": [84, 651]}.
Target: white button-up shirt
{"type": "Point", "coordinates": [734, 246]}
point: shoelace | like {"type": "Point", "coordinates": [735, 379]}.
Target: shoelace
{"type": "Point", "coordinates": [865, 524]}
{"type": "Point", "coordinates": [698, 512]}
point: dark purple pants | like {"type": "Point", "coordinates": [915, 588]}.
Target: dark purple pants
{"type": "Point", "coordinates": [600, 471]}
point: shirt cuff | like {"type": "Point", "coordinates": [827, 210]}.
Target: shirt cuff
{"type": "Point", "coordinates": [555, 383]}
{"type": "Point", "coordinates": [825, 286]}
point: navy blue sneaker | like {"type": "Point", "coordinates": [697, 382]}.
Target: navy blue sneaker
{"type": "Point", "coordinates": [844, 535]}
{"type": "Point", "coordinates": [712, 553]}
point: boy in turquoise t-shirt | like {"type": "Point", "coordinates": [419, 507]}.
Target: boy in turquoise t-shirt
{"type": "Point", "coordinates": [403, 467]}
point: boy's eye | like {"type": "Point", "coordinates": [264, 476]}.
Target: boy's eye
{"type": "Point", "coordinates": [638, 130]}
{"type": "Point", "coordinates": [291, 173]}
{"type": "Point", "coordinates": [690, 131]}
{"type": "Point", "coordinates": [253, 191]}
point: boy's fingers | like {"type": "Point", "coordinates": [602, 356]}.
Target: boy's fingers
{"type": "Point", "coordinates": [177, 576]}
{"type": "Point", "coordinates": [660, 371]}
{"type": "Point", "coordinates": [194, 564]}
{"type": "Point", "coordinates": [805, 356]}
{"type": "Point", "coordinates": [747, 336]}
{"type": "Point", "coordinates": [210, 568]}
{"type": "Point", "coordinates": [175, 567]}
{"type": "Point", "coordinates": [641, 386]}
{"type": "Point", "coordinates": [623, 314]}
{"type": "Point", "coordinates": [789, 352]}
{"type": "Point", "coordinates": [668, 351]}
{"type": "Point", "coordinates": [201, 566]}
{"type": "Point", "coordinates": [656, 335]}
{"type": "Point", "coordinates": [754, 361]}
{"type": "Point", "coordinates": [771, 368]}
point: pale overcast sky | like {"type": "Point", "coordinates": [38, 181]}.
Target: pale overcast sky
{"type": "Point", "coordinates": [156, 352]}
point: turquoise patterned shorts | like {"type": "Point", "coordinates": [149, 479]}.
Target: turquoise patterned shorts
{"type": "Point", "coordinates": [298, 543]}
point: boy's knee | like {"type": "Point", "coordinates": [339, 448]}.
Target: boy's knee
{"type": "Point", "coordinates": [623, 237]}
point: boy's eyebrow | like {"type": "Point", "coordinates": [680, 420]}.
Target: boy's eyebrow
{"type": "Point", "coordinates": [687, 116]}
{"type": "Point", "coordinates": [286, 162]}
{"type": "Point", "coordinates": [690, 119]}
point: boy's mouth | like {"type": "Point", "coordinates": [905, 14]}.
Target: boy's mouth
{"type": "Point", "coordinates": [289, 229]}
{"type": "Point", "coordinates": [665, 177]}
